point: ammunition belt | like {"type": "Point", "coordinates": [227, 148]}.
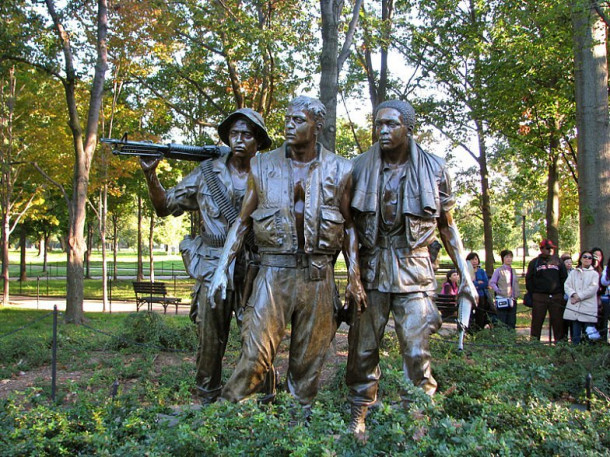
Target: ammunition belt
{"type": "Point", "coordinates": [222, 200]}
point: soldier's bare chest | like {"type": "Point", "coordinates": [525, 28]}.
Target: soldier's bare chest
{"type": "Point", "coordinates": [300, 175]}
{"type": "Point", "coordinates": [391, 191]}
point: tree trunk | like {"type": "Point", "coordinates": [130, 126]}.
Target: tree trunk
{"type": "Point", "coordinates": [83, 149]}
{"type": "Point", "coordinates": [5, 262]}
{"type": "Point", "coordinates": [331, 62]}
{"type": "Point", "coordinates": [103, 222]}
{"type": "Point", "coordinates": [591, 80]}
{"type": "Point", "coordinates": [140, 272]}
{"type": "Point", "coordinates": [6, 149]}
{"type": "Point", "coordinates": [485, 201]}
{"type": "Point", "coordinates": [88, 251]}
{"type": "Point", "coordinates": [329, 74]}
{"type": "Point", "coordinates": [552, 199]}
{"type": "Point", "coordinates": [45, 251]}
{"type": "Point", "coordinates": [378, 86]}
{"type": "Point", "coordinates": [23, 274]}
{"type": "Point", "coordinates": [115, 245]}
{"type": "Point", "coordinates": [151, 257]}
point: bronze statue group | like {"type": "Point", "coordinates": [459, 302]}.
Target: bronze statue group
{"type": "Point", "coordinates": [272, 225]}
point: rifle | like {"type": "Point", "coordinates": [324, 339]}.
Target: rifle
{"type": "Point", "coordinates": [169, 151]}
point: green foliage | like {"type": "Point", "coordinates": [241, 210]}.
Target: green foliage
{"type": "Point", "coordinates": [21, 352]}
{"type": "Point", "coordinates": [351, 139]}
{"type": "Point", "coordinates": [501, 396]}
{"type": "Point", "coordinates": [154, 330]}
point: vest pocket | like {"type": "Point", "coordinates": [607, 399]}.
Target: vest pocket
{"type": "Point", "coordinates": [266, 228]}
{"type": "Point", "coordinates": [420, 230]}
{"type": "Point", "coordinates": [318, 267]}
{"type": "Point", "coordinates": [330, 230]}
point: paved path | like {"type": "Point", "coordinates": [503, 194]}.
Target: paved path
{"type": "Point", "coordinates": [121, 306]}
{"type": "Point", "coordinates": [89, 306]}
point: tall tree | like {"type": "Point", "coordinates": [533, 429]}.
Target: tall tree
{"type": "Point", "coordinates": [18, 120]}
{"type": "Point", "coordinates": [591, 79]}
{"type": "Point", "coordinates": [531, 98]}
{"type": "Point", "coordinates": [47, 45]}
{"type": "Point", "coordinates": [85, 143]}
{"type": "Point", "coordinates": [450, 44]}
{"type": "Point", "coordinates": [331, 61]}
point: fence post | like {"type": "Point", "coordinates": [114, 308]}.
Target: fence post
{"type": "Point", "coordinates": [114, 389]}
{"type": "Point", "coordinates": [54, 355]}
{"type": "Point", "coordinates": [37, 292]}
{"type": "Point", "coordinates": [47, 283]}
{"type": "Point", "coordinates": [109, 293]}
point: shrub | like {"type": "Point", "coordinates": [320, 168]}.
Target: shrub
{"type": "Point", "coordinates": [152, 331]}
{"type": "Point", "coordinates": [23, 352]}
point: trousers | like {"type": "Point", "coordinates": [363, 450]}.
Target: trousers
{"type": "Point", "coordinates": [553, 303]}
{"type": "Point", "coordinates": [416, 318]}
{"type": "Point", "coordinates": [281, 296]}
{"type": "Point", "coordinates": [213, 331]}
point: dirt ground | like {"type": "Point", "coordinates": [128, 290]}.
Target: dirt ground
{"type": "Point", "coordinates": [22, 380]}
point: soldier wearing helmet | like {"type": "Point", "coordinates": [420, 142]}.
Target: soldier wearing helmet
{"type": "Point", "coordinates": [216, 189]}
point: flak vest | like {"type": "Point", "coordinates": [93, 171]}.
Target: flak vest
{"type": "Point", "coordinates": [274, 222]}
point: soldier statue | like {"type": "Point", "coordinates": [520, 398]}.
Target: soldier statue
{"type": "Point", "coordinates": [401, 194]}
{"type": "Point", "coordinates": [297, 204]}
{"type": "Point", "coordinates": [216, 189]}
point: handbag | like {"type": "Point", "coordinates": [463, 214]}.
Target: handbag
{"type": "Point", "coordinates": [528, 300]}
{"type": "Point", "coordinates": [503, 303]}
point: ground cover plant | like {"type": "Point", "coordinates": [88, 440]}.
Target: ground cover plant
{"type": "Point", "coordinates": [125, 387]}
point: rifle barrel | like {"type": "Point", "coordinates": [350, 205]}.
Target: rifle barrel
{"type": "Point", "coordinates": [168, 151]}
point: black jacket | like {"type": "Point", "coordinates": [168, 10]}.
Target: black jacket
{"type": "Point", "coordinates": [546, 276]}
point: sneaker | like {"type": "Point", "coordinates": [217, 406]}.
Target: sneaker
{"type": "Point", "coordinates": [592, 333]}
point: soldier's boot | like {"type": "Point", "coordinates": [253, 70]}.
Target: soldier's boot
{"type": "Point", "coordinates": [269, 386]}
{"type": "Point", "coordinates": [208, 396]}
{"type": "Point", "coordinates": [357, 425]}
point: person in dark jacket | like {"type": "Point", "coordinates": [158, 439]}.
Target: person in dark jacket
{"type": "Point", "coordinates": [481, 282]}
{"type": "Point", "coordinates": [544, 279]}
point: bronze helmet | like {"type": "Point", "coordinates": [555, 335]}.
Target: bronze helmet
{"type": "Point", "coordinates": [255, 118]}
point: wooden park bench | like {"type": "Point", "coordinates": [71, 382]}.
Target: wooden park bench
{"type": "Point", "coordinates": [444, 267]}
{"type": "Point", "coordinates": [447, 305]}
{"type": "Point", "coordinates": [154, 292]}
